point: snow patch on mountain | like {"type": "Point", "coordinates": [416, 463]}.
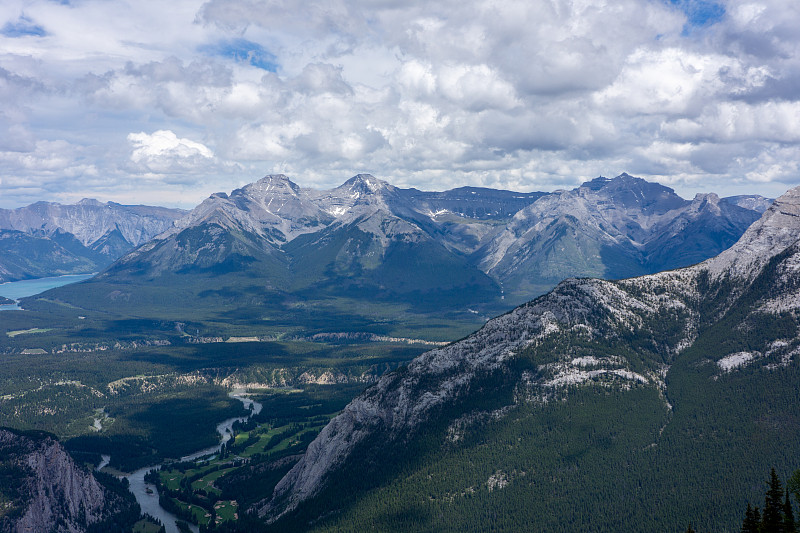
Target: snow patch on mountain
{"type": "Point", "coordinates": [737, 360]}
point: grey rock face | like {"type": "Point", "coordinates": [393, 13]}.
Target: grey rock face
{"type": "Point", "coordinates": [401, 402]}
{"type": "Point", "coordinates": [610, 228]}
{"type": "Point", "coordinates": [776, 230]}
{"type": "Point", "coordinates": [90, 220]}
{"type": "Point", "coordinates": [273, 207]}
{"type": "Point", "coordinates": [49, 239]}
{"type": "Point", "coordinates": [55, 494]}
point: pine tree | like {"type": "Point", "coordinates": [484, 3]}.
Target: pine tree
{"type": "Point", "coordinates": [690, 529]}
{"type": "Point", "coordinates": [788, 515]}
{"type": "Point", "coordinates": [752, 520]}
{"type": "Point", "coordinates": [794, 485]}
{"type": "Point", "coordinates": [772, 519]}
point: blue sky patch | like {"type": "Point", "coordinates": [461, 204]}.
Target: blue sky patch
{"type": "Point", "coordinates": [244, 51]}
{"type": "Point", "coordinates": [701, 13]}
{"type": "Point", "coordinates": [22, 28]}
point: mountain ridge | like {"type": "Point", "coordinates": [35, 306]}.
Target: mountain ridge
{"type": "Point", "coordinates": [276, 258]}
{"type": "Point", "coordinates": [656, 332]}
{"type": "Point", "coordinates": [605, 226]}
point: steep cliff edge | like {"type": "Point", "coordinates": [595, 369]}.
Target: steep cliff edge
{"type": "Point", "coordinates": [43, 489]}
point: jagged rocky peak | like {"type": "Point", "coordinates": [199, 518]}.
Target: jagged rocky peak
{"type": "Point", "coordinates": [777, 229]}
{"type": "Point", "coordinates": [598, 183]}
{"type": "Point", "coordinates": [365, 184]}
{"type": "Point", "coordinates": [270, 184]}
{"type": "Point", "coordinates": [710, 201]}
{"type": "Point", "coordinates": [275, 195]}
{"type": "Point", "coordinates": [631, 192]}
{"type": "Point", "coordinates": [273, 207]}
{"type": "Point", "coordinates": [219, 208]}
{"type": "Point", "coordinates": [90, 219]}
{"type": "Point", "coordinates": [624, 180]}
{"type": "Point", "coordinates": [363, 191]}
{"type": "Point", "coordinates": [90, 201]}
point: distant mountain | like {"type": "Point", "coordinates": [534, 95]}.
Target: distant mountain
{"type": "Point", "coordinates": [273, 248]}
{"type": "Point", "coordinates": [43, 489]}
{"type": "Point", "coordinates": [89, 220]}
{"type": "Point", "coordinates": [642, 404]}
{"type": "Point", "coordinates": [364, 238]}
{"type": "Point", "coordinates": [50, 239]}
{"type": "Point", "coordinates": [750, 201]}
{"type": "Point", "coordinates": [609, 228]}
{"type": "Point", "coordinates": [24, 256]}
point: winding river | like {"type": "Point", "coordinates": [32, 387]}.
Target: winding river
{"type": "Point", "coordinates": [147, 494]}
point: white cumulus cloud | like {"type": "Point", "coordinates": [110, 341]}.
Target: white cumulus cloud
{"type": "Point", "coordinates": [163, 151]}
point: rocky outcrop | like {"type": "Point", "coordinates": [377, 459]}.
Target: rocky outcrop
{"type": "Point", "coordinates": [50, 492]}
{"type": "Point", "coordinates": [776, 230]}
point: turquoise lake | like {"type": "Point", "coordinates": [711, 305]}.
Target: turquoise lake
{"type": "Point", "coordinates": [30, 287]}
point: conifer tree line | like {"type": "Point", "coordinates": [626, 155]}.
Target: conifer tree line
{"type": "Point", "coordinates": [777, 515]}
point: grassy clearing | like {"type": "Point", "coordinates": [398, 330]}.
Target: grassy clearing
{"type": "Point", "coordinates": [146, 526]}
{"type": "Point", "coordinates": [170, 480]}
{"type": "Point", "coordinates": [18, 332]}
{"type": "Point", "coordinates": [226, 510]}
{"type": "Point", "coordinates": [199, 515]}
{"type": "Point", "coordinates": [206, 482]}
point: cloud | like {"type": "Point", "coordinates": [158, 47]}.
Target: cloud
{"type": "Point", "coordinates": [777, 122]}
{"type": "Point", "coordinates": [528, 95]}
{"type": "Point", "coordinates": [164, 152]}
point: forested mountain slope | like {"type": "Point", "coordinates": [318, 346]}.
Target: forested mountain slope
{"type": "Point", "coordinates": [632, 405]}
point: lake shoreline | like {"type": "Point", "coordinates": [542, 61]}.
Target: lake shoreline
{"type": "Point", "coordinates": [15, 290]}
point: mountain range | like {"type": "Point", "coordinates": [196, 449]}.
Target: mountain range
{"type": "Point", "coordinates": [643, 404]}
{"type": "Point", "coordinates": [50, 239]}
{"type": "Point", "coordinates": [273, 248]}
{"type": "Point", "coordinates": [526, 241]}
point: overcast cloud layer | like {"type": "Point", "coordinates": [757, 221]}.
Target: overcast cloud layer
{"type": "Point", "coordinates": [166, 102]}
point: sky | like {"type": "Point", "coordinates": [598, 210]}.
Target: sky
{"type": "Point", "coordinates": [165, 103]}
